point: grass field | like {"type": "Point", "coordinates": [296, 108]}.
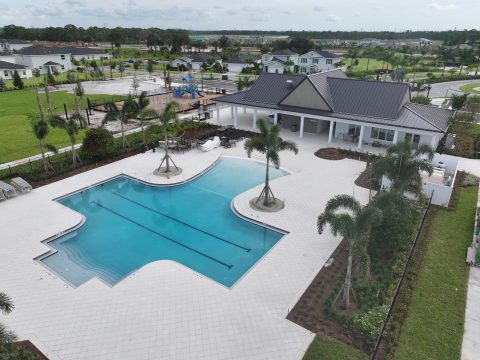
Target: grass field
{"type": "Point", "coordinates": [323, 348]}
{"type": "Point", "coordinates": [34, 81]}
{"type": "Point", "coordinates": [434, 325]}
{"type": "Point", "coordinates": [470, 88]}
{"type": "Point", "coordinates": [16, 138]}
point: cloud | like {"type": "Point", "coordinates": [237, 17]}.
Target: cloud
{"type": "Point", "coordinates": [333, 18]}
{"type": "Point", "coordinates": [73, 3]}
{"type": "Point", "coordinates": [318, 8]}
{"type": "Point", "coordinates": [440, 7]}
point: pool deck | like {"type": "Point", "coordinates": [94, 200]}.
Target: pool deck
{"type": "Point", "coordinates": [165, 310]}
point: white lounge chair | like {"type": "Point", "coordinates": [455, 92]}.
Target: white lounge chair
{"type": "Point", "coordinates": [8, 190]}
{"type": "Point", "coordinates": [21, 185]}
{"type": "Point", "coordinates": [211, 144]}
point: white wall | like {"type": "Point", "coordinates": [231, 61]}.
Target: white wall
{"type": "Point", "coordinates": [320, 66]}
{"type": "Point", "coordinates": [92, 57]}
{"type": "Point", "coordinates": [7, 74]}
{"type": "Point", "coordinates": [235, 68]}
{"type": "Point", "coordinates": [8, 58]}
{"type": "Point", "coordinates": [37, 61]}
{"type": "Point", "coordinates": [273, 68]}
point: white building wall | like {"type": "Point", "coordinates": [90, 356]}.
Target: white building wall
{"type": "Point", "coordinates": [235, 68]}
{"type": "Point", "coordinates": [37, 61]}
{"type": "Point", "coordinates": [7, 74]}
{"type": "Point", "coordinates": [16, 47]}
{"type": "Point", "coordinates": [96, 57]}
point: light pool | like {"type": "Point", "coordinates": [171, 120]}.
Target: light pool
{"type": "Point", "coordinates": [130, 224]}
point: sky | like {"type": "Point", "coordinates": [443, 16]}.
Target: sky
{"type": "Point", "coordinates": [319, 15]}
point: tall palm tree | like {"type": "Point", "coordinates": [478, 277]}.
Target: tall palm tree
{"type": "Point", "coordinates": [71, 127]}
{"type": "Point", "coordinates": [6, 307]}
{"type": "Point", "coordinates": [445, 55]}
{"type": "Point", "coordinates": [168, 117]}
{"type": "Point", "coordinates": [144, 113]}
{"type": "Point", "coordinates": [353, 224]}
{"type": "Point", "coordinates": [269, 143]}
{"type": "Point", "coordinates": [368, 52]}
{"type": "Point", "coordinates": [402, 165]}
{"type": "Point", "coordinates": [123, 114]}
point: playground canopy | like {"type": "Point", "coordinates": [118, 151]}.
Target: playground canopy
{"type": "Point", "coordinates": [187, 78]}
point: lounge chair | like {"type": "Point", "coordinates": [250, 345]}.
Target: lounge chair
{"type": "Point", "coordinates": [211, 144]}
{"type": "Point", "coordinates": [8, 190]}
{"type": "Point", "coordinates": [21, 185]}
{"type": "Point", "coordinates": [2, 195]}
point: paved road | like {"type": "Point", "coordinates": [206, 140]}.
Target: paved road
{"type": "Point", "coordinates": [440, 89]}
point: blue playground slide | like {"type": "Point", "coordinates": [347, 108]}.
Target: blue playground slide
{"type": "Point", "coordinates": [199, 93]}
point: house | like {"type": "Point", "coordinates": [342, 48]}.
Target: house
{"type": "Point", "coordinates": [9, 45]}
{"type": "Point", "coordinates": [369, 42]}
{"type": "Point", "coordinates": [181, 62]}
{"type": "Point", "coordinates": [43, 58]}
{"type": "Point", "coordinates": [279, 61]}
{"type": "Point", "coordinates": [237, 63]}
{"type": "Point", "coordinates": [317, 61]}
{"type": "Point", "coordinates": [7, 69]}
{"type": "Point", "coordinates": [329, 104]}
{"type": "Point", "coordinates": [78, 53]}
{"type": "Point", "coordinates": [193, 62]}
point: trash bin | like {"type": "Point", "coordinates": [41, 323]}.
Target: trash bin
{"type": "Point", "coordinates": [143, 148]}
{"type": "Point", "coordinates": [294, 127]}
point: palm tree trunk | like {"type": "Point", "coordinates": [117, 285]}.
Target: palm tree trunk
{"type": "Point", "coordinates": [143, 133]}
{"type": "Point", "coordinates": [123, 136]}
{"type": "Point", "coordinates": [368, 64]}
{"type": "Point", "coordinates": [167, 162]}
{"type": "Point", "coordinates": [45, 165]}
{"type": "Point", "coordinates": [461, 68]}
{"type": "Point", "coordinates": [348, 282]}
{"type": "Point", "coordinates": [476, 70]}
{"type": "Point", "coordinates": [266, 201]}
{"type": "Point", "coordinates": [49, 103]}
{"type": "Point", "coordinates": [443, 71]}
{"type": "Point", "coordinates": [74, 162]}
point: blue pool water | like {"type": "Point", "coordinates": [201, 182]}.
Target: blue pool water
{"type": "Point", "coordinates": [130, 224]}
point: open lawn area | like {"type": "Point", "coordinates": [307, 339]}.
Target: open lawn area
{"type": "Point", "coordinates": [323, 348]}
{"type": "Point", "coordinates": [34, 81]}
{"type": "Point", "coordinates": [16, 137]}
{"type": "Point", "coordinates": [433, 328]}
{"type": "Point", "coordinates": [471, 88]}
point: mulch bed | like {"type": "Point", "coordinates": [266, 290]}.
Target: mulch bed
{"type": "Point", "coordinates": [32, 348]}
{"type": "Point", "coordinates": [308, 311]}
{"type": "Point", "coordinates": [340, 154]}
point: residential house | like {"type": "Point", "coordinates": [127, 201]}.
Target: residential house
{"type": "Point", "coordinates": [7, 69]}
{"type": "Point", "coordinates": [237, 63]}
{"type": "Point", "coordinates": [78, 53]}
{"type": "Point", "coordinates": [279, 61]}
{"type": "Point", "coordinates": [317, 61]}
{"type": "Point", "coordinates": [193, 62]}
{"type": "Point", "coordinates": [330, 105]}
{"type": "Point", "coordinates": [10, 45]}
{"type": "Point", "coordinates": [181, 62]}
{"type": "Point", "coordinates": [43, 58]}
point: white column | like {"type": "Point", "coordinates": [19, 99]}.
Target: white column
{"type": "Point", "coordinates": [218, 112]}
{"type": "Point", "coordinates": [244, 113]}
{"type": "Point", "coordinates": [231, 111]}
{"type": "Point", "coordinates": [360, 138]}
{"type": "Point", "coordinates": [330, 131]}
{"type": "Point", "coordinates": [302, 122]}
{"type": "Point", "coordinates": [275, 118]}
{"type": "Point", "coordinates": [433, 142]}
{"type": "Point", "coordinates": [254, 119]}
{"type": "Point", "coordinates": [235, 116]}
{"type": "Point", "coordinates": [395, 136]}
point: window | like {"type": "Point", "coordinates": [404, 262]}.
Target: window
{"type": "Point", "coordinates": [303, 69]}
{"type": "Point", "coordinates": [329, 61]}
{"type": "Point", "coordinates": [5, 73]}
{"type": "Point", "coordinates": [354, 130]}
{"type": "Point", "coordinates": [24, 73]}
{"type": "Point", "coordinates": [63, 67]}
{"type": "Point", "coordinates": [315, 60]}
{"type": "Point", "coordinates": [62, 57]}
{"type": "Point", "coordinates": [382, 134]}
{"type": "Point", "coordinates": [304, 60]}
{"type": "Point", "coordinates": [416, 138]}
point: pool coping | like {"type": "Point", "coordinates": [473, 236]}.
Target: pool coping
{"type": "Point", "coordinates": [38, 259]}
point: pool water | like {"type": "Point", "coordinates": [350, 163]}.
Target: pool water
{"type": "Point", "coordinates": [130, 224]}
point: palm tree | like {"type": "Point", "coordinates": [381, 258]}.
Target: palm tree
{"type": "Point", "coordinates": [269, 143]}
{"type": "Point", "coordinates": [127, 111]}
{"type": "Point", "coordinates": [71, 127]}
{"type": "Point", "coordinates": [112, 65]}
{"type": "Point", "coordinates": [6, 307]}
{"type": "Point", "coordinates": [402, 165]}
{"type": "Point", "coordinates": [144, 113]}
{"type": "Point", "coordinates": [368, 52]}
{"type": "Point", "coordinates": [354, 225]}
{"type": "Point", "coordinates": [168, 117]}
{"type": "Point", "coordinates": [444, 54]}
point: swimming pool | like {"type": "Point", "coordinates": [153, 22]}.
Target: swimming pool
{"type": "Point", "coordinates": [130, 224]}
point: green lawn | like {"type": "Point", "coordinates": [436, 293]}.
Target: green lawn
{"type": "Point", "coordinates": [323, 348]}
{"type": "Point", "coordinates": [434, 325]}
{"type": "Point", "coordinates": [469, 88]}
{"type": "Point", "coordinates": [16, 138]}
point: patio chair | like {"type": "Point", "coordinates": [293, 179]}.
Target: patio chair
{"type": "Point", "coordinates": [21, 185]}
{"type": "Point", "coordinates": [2, 195]}
{"type": "Point", "coordinates": [8, 190]}
{"type": "Point", "coordinates": [211, 144]}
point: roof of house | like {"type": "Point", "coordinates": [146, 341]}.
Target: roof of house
{"type": "Point", "coordinates": [84, 51]}
{"type": "Point", "coordinates": [327, 54]}
{"type": "Point", "coordinates": [200, 57]}
{"type": "Point", "coordinates": [284, 52]}
{"type": "Point", "coordinates": [44, 50]}
{"type": "Point", "coordinates": [240, 59]}
{"type": "Point", "coordinates": [374, 102]}
{"type": "Point", "coordinates": [14, 41]}
{"type": "Point", "coordinates": [5, 65]}
{"type": "Point", "coordinates": [51, 63]}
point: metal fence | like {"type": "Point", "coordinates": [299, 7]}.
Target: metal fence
{"type": "Point", "coordinates": [397, 290]}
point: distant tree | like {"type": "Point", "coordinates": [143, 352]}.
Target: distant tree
{"type": "Point", "coordinates": [71, 128]}
{"type": "Point", "coordinates": [135, 85]}
{"type": "Point", "coordinates": [71, 78]}
{"type": "Point", "coordinates": [301, 45]}
{"type": "Point", "coordinates": [50, 80]}
{"type": "Point", "coordinates": [420, 99]}
{"type": "Point", "coordinates": [224, 42]}
{"type": "Point", "coordinates": [36, 73]}
{"type": "Point", "coordinates": [17, 81]}
{"type": "Point", "coordinates": [136, 65]}
{"type": "Point", "coordinates": [150, 67]}
{"type": "Point", "coordinates": [121, 68]}
{"type": "Point", "coordinates": [123, 114]}
{"type": "Point", "coordinates": [458, 101]}
{"type": "Point", "coordinates": [112, 65]}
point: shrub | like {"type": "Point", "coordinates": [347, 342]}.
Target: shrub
{"type": "Point", "coordinates": [370, 322]}
{"type": "Point", "coordinates": [17, 81]}
{"type": "Point", "coordinates": [420, 99]}
{"type": "Point", "coordinates": [98, 144]}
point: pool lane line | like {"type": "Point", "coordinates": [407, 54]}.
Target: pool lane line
{"type": "Point", "coordinates": [181, 222]}
{"type": "Point", "coordinates": [164, 236]}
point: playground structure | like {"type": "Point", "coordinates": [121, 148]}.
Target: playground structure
{"type": "Point", "coordinates": [189, 88]}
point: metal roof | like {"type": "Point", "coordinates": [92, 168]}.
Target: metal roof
{"type": "Point", "coordinates": [44, 50]}
{"type": "Point", "coordinates": [372, 102]}
{"type": "Point", "coordinates": [272, 88]}
{"type": "Point", "coordinates": [5, 65]}
{"type": "Point", "coordinates": [284, 52]}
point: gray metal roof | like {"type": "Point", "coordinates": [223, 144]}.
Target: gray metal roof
{"type": "Point", "coordinates": [272, 88]}
{"type": "Point", "coordinates": [240, 59]}
{"type": "Point", "coordinates": [5, 65]}
{"type": "Point", "coordinates": [84, 51]}
{"type": "Point", "coordinates": [44, 50]}
{"type": "Point", "coordinates": [327, 54]}
{"type": "Point", "coordinates": [373, 102]}
{"type": "Point", "coordinates": [367, 97]}
{"type": "Point", "coordinates": [284, 52]}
